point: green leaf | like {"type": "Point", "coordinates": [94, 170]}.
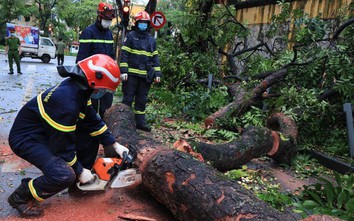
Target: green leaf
{"type": "Point", "coordinates": [341, 199]}
{"type": "Point", "coordinates": [330, 193]}
{"type": "Point", "coordinates": [315, 196]}
{"type": "Point", "coordinates": [310, 204]}
{"type": "Point", "coordinates": [349, 206]}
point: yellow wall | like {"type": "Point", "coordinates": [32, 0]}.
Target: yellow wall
{"type": "Point", "coordinates": [263, 14]}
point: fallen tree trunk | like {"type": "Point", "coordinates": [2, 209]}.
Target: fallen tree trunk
{"type": "Point", "coordinates": [243, 102]}
{"type": "Point", "coordinates": [279, 144]}
{"type": "Point", "coordinates": [190, 189]}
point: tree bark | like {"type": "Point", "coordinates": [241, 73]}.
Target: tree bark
{"type": "Point", "coordinates": [190, 189]}
{"type": "Point", "coordinates": [245, 101]}
{"type": "Point", "coordinates": [254, 142]}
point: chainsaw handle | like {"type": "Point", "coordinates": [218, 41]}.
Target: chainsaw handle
{"type": "Point", "coordinates": [94, 185]}
{"type": "Point", "coordinates": [128, 158]}
{"type": "Point", "coordinates": [79, 184]}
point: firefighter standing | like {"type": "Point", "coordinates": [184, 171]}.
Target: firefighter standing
{"type": "Point", "coordinates": [13, 51]}
{"type": "Point", "coordinates": [140, 66]}
{"type": "Point", "coordinates": [98, 39]}
{"type": "Point", "coordinates": [47, 132]}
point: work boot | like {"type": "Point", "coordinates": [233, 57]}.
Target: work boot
{"type": "Point", "coordinates": [143, 127]}
{"type": "Point", "coordinates": [11, 72]}
{"type": "Point", "coordinates": [19, 72]}
{"type": "Point", "coordinates": [141, 123]}
{"type": "Point", "coordinates": [22, 200]}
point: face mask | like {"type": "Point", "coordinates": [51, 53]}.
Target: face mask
{"type": "Point", "coordinates": [142, 26]}
{"type": "Point", "coordinates": [99, 94]}
{"type": "Point", "coordinates": [106, 23]}
{"type": "Point", "coordinates": [13, 34]}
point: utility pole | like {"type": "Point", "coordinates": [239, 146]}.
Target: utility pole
{"type": "Point", "coordinates": [124, 14]}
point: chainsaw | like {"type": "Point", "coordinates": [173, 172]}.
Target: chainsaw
{"type": "Point", "coordinates": [112, 172]}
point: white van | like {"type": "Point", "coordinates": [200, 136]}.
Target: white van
{"type": "Point", "coordinates": [32, 44]}
{"type": "Point", "coordinates": [45, 51]}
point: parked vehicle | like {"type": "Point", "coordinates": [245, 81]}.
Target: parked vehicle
{"type": "Point", "coordinates": [32, 44]}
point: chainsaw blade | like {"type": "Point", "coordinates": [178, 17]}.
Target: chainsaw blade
{"type": "Point", "coordinates": [125, 178]}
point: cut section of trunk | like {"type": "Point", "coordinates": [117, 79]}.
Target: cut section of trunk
{"type": "Point", "coordinates": [254, 142]}
{"type": "Point", "coordinates": [190, 189]}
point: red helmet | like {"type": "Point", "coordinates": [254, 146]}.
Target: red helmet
{"type": "Point", "coordinates": [142, 16]}
{"type": "Point", "coordinates": [101, 72]}
{"type": "Point", "coordinates": [105, 11]}
{"type": "Point", "coordinates": [12, 29]}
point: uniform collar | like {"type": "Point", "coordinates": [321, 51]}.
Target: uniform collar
{"type": "Point", "coordinates": [141, 34]}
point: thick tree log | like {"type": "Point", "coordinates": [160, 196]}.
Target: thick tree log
{"type": "Point", "coordinates": [254, 142]}
{"type": "Point", "coordinates": [243, 103]}
{"type": "Point", "coordinates": [190, 189]}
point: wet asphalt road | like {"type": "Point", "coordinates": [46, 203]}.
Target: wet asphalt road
{"type": "Point", "coordinates": [15, 91]}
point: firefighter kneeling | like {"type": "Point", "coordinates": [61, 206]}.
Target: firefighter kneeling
{"type": "Point", "coordinates": [50, 132]}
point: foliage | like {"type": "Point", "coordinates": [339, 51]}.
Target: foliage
{"type": "Point", "coordinates": [304, 167]}
{"type": "Point", "coordinates": [274, 197]}
{"type": "Point", "coordinates": [266, 189]}
{"type": "Point", "coordinates": [191, 105]}
{"type": "Point", "coordinates": [9, 10]}
{"type": "Point", "coordinates": [221, 134]}
{"type": "Point", "coordinates": [79, 15]}
{"type": "Point", "coordinates": [254, 117]}
{"type": "Point", "coordinates": [196, 42]}
{"type": "Point", "coordinates": [336, 199]}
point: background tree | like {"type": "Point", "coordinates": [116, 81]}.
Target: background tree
{"type": "Point", "coordinates": [44, 13]}
{"type": "Point", "coordinates": [9, 10]}
{"type": "Point", "coordinates": [314, 63]}
{"type": "Point", "coordinates": [72, 17]}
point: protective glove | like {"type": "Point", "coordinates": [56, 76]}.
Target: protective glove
{"type": "Point", "coordinates": [120, 149]}
{"type": "Point", "coordinates": [86, 176]}
{"type": "Point", "coordinates": [124, 76]}
{"type": "Point", "coordinates": [157, 79]}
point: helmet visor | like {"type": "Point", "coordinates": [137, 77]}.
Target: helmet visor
{"type": "Point", "coordinates": [108, 13]}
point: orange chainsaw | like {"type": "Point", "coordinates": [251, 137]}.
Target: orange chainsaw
{"type": "Point", "coordinates": [113, 172]}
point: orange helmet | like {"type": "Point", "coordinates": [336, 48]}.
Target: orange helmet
{"type": "Point", "coordinates": [142, 16]}
{"type": "Point", "coordinates": [101, 72]}
{"type": "Point", "coordinates": [105, 11]}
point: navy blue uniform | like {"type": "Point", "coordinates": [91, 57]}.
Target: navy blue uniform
{"type": "Point", "coordinates": [47, 133]}
{"type": "Point", "coordinates": [96, 40]}
{"type": "Point", "coordinates": [138, 54]}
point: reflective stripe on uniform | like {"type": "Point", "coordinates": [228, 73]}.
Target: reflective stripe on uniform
{"type": "Point", "coordinates": [89, 103]}
{"type": "Point", "coordinates": [126, 48]}
{"type": "Point", "coordinates": [82, 116]}
{"type": "Point", "coordinates": [137, 71]}
{"type": "Point", "coordinates": [123, 64]}
{"type": "Point", "coordinates": [96, 41]}
{"type": "Point", "coordinates": [50, 121]}
{"type": "Point", "coordinates": [139, 112]}
{"type": "Point", "coordinates": [139, 52]}
{"type": "Point", "coordinates": [72, 162]}
{"type": "Point", "coordinates": [99, 132]}
{"type": "Point", "coordinates": [34, 192]}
